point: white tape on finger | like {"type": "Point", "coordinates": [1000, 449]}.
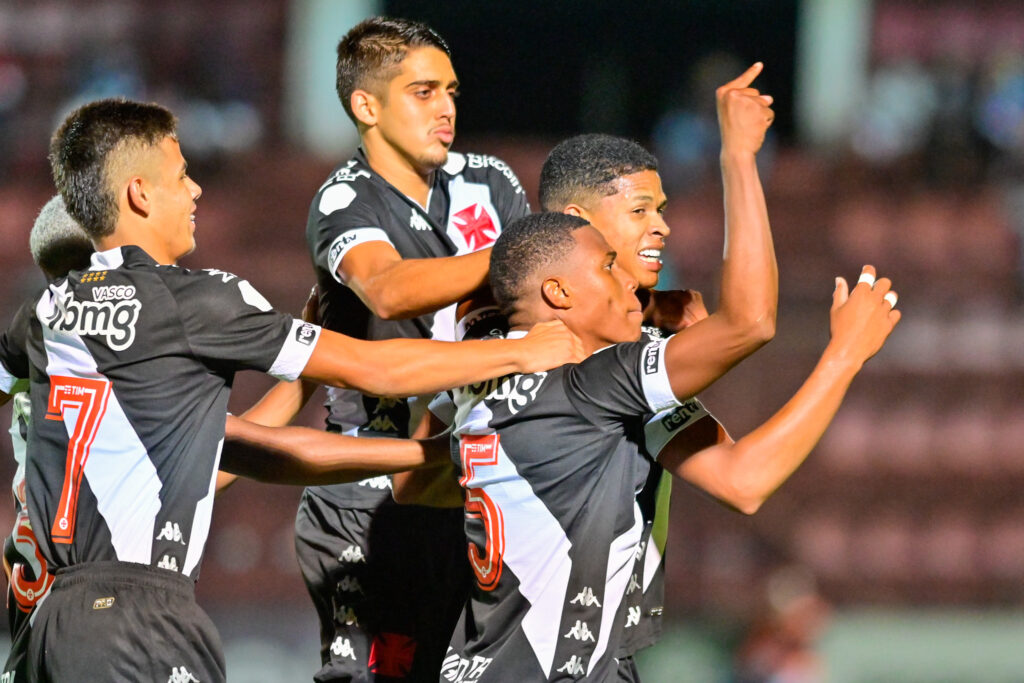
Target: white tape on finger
{"type": "Point", "coordinates": [868, 278]}
{"type": "Point", "coordinates": [891, 298]}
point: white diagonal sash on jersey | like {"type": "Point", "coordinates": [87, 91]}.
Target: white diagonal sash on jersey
{"type": "Point", "coordinates": [201, 519]}
{"type": "Point", "coordinates": [118, 461]}
{"type": "Point", "coordinates": [621, 558]}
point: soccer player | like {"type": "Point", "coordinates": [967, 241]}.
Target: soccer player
{"type": "Point", "coordinates": [58, 244]}
{"type": "Point", "coordinates": [551, 462]}
{"type": "Point", "coordinates": [398, 234]}
{"type": "Point", "coordinates": [131, 362]}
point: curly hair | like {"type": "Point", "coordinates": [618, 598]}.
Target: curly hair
{"type": "Point", "coordinates": [585, 166]}
{"type": "Point", "coordinates": [527, 245]}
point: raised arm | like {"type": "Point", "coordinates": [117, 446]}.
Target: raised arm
{"type": "Point", "coordinates": [394, 288]}
{"type": "Point", "coordinates": [745, 318]}
{"type": "Point", "coordinates": [745, 473]}
{"type": "Point", "coordinates": [410, 367]}
{"type": "Point", "coordinates": [309, 457]}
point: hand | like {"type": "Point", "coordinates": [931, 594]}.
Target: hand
{"type": "Point", "coordinates": [744, 114]}
{"type": "Point", "coordinates": [862, 319]}
{"type": "Point", "coordinates": [311, 309]}
{"type": "Point", "coordinates": [674, 310]}
{"type": "Point", "coordinates": [550, 345]}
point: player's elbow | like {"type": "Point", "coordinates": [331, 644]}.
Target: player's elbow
{"type": "Point", "coordinates": [743, 493]}
{"type": "Point", "coordinates": [385, 303]}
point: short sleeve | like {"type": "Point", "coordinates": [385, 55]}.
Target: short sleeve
{"type": "Point", "coordinates": [624, 380]}
{"type": "Point", "coordinates": [666, 425]}
{"type": "Point", "coordinates": [14, 363]}
{"type": "Point", "coordinates": [342, 222]}
{"type": "Point", "coordinates": [510, 198]}
{"type": "Point", "coordinates": [230, 324]}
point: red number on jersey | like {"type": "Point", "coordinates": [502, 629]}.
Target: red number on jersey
{"type": "Point", "coordinates": [87, 399]}
{"type": "Point", "coordinates": [473, 451]}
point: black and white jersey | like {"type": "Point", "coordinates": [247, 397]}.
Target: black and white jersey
{"type": "Point", "coordinates": [131, 364]}
{"type": "Point", "coordinates": [471, 199]}
{"type": "Point", "coordinates": [551, 464]}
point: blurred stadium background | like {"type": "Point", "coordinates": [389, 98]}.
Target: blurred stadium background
{"type": "Point", "coordinates": [897, 552]}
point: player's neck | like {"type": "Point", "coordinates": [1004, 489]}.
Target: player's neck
{"type": "Point", "coordinates": [522, 321]}
{"type": "Point", "coordinates": [124, 237]}
{"type": "Point", "coordinates": [396, 168]}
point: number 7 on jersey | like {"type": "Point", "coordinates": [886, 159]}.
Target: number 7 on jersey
{"type": "Point", "coordinates": [80, 403]}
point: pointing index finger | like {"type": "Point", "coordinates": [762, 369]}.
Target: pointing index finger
{"type": "Point", "coordinates": [747, 77]}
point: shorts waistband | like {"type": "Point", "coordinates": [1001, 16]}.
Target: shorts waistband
{"type": "Point", "coordinates": [130, 573]}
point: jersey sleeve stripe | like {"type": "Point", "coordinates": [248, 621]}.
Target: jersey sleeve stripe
{"type": "Point", "coordinates": [654, 378]}
{"type": "Point", "coordinates": [661, 428]}
{"type": "Point", "coordinates": [296, 351]}
{"type": "Point", "coordinates": [344, 243]}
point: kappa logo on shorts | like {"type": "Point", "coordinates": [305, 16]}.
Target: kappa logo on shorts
{"type": "Point", "coordinates": [342, 647]}
{"type": "Point", "coordinates": [353, 554]}
{"type": "Point", "coordinates": [634, 585]}
{"type": "Point", "coordinates": [103, 603]}
{"type": "Point", "coordinates": [633, 617]}
{"type": "Point", "coordinates": [380, 483]}
{"type": "Point", "coordinates": [180, 674]}
{"type": "Point", "coordinates": [346, 615]}
{"type": "Point", "coordinates": [457, 669]}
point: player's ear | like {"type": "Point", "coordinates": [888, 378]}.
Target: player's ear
{"type": "Point", "coordinates": [576, 210]}
{"type": "Point", "coordinates": [365, 107]}
{"type": "Point", "coordinates": [556, 293]}
{"type": "Point", "coordinates": [136, 193]}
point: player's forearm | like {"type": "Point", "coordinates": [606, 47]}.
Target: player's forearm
{"type": "Point", "coordinates": [281, 403]}
{"type": "Point", "coordinates": [413, 287]}
{"type": "Point", "coordinates": [409, 367]}
{"type": "Point", "coordinates": [750, 280]}
{"type": "Point", "coordinates": [304, 456]}
{"type": "Point", "coordinates": [745, 473]}
{"type": "Point", "coordinates": [434, 487]}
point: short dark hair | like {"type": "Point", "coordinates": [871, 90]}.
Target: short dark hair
{"type": "Point", "coordinates": [585, 166]}
{"type": "Point", "coordinates": [57, 242]}
{"type": "Point", "coordinates": [525, 246]}
{"type": "Point", "coordinates": [86, 147]}
{"type": "Point", "coordinates": [369, 54]}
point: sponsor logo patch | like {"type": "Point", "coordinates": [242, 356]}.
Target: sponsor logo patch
{"type": "Point", "coordinates": [305, 334]}
{"type": "Point", "coordinates": [103, 603]}
{"type": "Point", "coordinates": [680, 416]}
{"type": "Point", "coordinates": [517, 390]}
{"type": "Point", "coordinates": [652, 355]}
{"type": "Point", "coordinates": [457, 669]}
{"type": "Point", "coordinates": [115, 322]}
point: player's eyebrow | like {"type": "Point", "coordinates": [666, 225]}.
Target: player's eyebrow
{"type": "Point", "coordinates": [431, 84]}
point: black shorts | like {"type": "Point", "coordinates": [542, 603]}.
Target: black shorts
{"type": "Point", "coordinates": [108, 622]}
{"type": "Point", "coordinates": [388, 585]}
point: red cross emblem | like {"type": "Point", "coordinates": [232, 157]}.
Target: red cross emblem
{"type": "Point", "coordinates": [476, 226]}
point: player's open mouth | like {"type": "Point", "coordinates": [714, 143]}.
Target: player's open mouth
{"type": "Point", "coordinates": [652, 256]}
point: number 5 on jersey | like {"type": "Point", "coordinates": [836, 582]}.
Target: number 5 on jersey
{"type": "Point", "coordinates": [80, 403]}
{"type": "Point", "coordinates": [479, 451]}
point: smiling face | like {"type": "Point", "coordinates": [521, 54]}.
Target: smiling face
{"type": "Point", "coordinates": [415, 115]}
{"type": "Point", "coordinates": [632, 223]}
{"type": "Point", "coordinates": [604, 308]}
{"type": "Point", "coordinates": [173, 202]}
